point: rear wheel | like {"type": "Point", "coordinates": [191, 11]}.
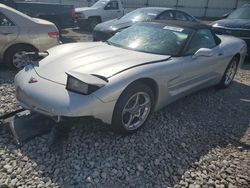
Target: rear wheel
{"type": "Point", "coordinates": [16, 58]}
{"type": "Point", "coordinates": [133, 108]}
{"type": "Point", "coordinates": [229, 73]}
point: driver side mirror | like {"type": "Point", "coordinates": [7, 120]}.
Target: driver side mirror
{"type": "Point", "coordinates": [205, 52]}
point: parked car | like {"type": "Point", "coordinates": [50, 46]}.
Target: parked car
{"type": "Point", "coordinates": [139, 70]}
{"type": "Point", "coordinates": [63, 16]}
{"type": "Point", "coordinates": [101, 11]}
{"type": "Point", "coordinates": [237, 24]}
{"type": "Point", "coordinates": [20, 33]}
{"type": "Point", "coordinates": [107, 29]}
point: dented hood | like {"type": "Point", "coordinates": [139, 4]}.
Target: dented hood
{"type": "Point", "coordinates": [96, 58]}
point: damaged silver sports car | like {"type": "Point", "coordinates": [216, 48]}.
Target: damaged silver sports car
{"type": "Point", "coordinates": [136, 72]}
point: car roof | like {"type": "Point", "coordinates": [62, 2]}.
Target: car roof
{"type": "Point", "coordinates": [156, 8]}
{"type": "Point", "coordinates": [184, 24]}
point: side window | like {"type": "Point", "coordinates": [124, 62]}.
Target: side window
{"type": "Point", "coordinates": [180, 16]}
{"type": "Point", "coordinates": [168, 15]}
{"type": "Point", "coordinates": [203, 38]}
{"type": "Point", "coordinates": [112, 5]}
{"type": "Point", "coordinates": [189, 17]}
{"type": "Point", "coordinates": [4, 21]}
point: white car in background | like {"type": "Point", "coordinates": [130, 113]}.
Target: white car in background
{"type": "Point", "coordinates": [20, 33]}
{"type": "Point", "coordinates": [101, 11]}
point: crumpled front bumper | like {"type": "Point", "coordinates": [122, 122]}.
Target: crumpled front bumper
{"type": "Point", "coordinates": [52, 99]}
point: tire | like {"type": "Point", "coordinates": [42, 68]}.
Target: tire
{"type": "Point", "coordinates": [16, 53]}
{"type": "Point", "coordinates": [126, 113]}
{"type": "Point", "coordinates": [229, 74]}
{"type": "Point", "coordinates": [92, 22]}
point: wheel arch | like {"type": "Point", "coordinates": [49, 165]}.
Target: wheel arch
{"type": "Point", "coordinates": [238, 56]}
{"type": "Point", "coordinates": [151, 83]}
{"type": "Point", "coordinates": [96, 17]}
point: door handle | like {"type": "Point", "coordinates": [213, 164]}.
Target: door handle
{"type": "Point", "coordinates": [118, 11]}
{"type": "Point", "coordinates": [220, 54]}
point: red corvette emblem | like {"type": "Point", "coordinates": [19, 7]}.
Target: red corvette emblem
{"type": "Point", "coordinates": [32, 80]}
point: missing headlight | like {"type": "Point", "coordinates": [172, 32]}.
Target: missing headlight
{"type": "Point", "coordinates": [78, 86]}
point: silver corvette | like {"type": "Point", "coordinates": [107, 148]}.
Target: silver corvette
{"type": "Point", "coordinates": [137, 71]}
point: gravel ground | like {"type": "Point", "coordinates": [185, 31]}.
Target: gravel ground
{"type": "Point", "coordinates": [202, 140]}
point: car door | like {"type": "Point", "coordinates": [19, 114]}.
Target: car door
{"type": "Point", "coordinates": [200, 71]}
{"type": "Point", "coordinates": [112, 11]}
{"type": "Point", "coordinates": [8, 31]}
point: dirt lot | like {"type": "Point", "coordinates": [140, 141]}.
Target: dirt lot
{"type": "Point", "coordinates": [202, 140]}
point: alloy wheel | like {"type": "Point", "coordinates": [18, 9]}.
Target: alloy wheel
{"type": "Point", "coordinates": [20, 59]}
{"type": "Point", "coordinates": [136, 111]}
{"type": "Point", "coordinates": [230, 73]}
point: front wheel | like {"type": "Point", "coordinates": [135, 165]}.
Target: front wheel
{"type": "Point", "coordinates": [133, 108]}
{"type": "Point", "coordinates": [229, 73]}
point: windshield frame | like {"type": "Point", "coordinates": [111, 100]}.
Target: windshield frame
{"type": "Point", "coordinates": [101, 2]}
{"type": "Point", "coordinates": [178, 54]}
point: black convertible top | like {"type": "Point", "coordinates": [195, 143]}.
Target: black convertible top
{"type": "Point", "coordinates": [184, 24]}
{"type": "Point", "coordinates": [193, 26]}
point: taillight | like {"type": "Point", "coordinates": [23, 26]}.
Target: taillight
{"type": "Point", "coordinates": [53, 34]}
{"type": "Point", "coordinates": [73, 12]}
